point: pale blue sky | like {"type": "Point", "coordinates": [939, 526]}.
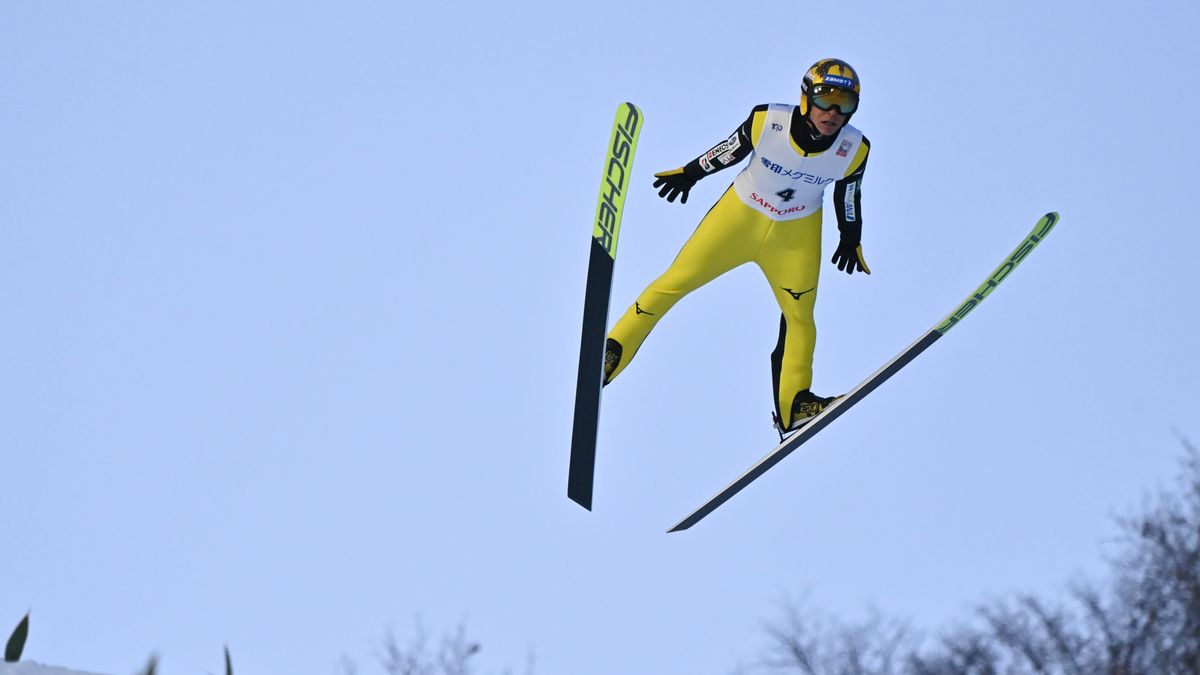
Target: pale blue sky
{"type": "Point", "coordinates": [291, 298]}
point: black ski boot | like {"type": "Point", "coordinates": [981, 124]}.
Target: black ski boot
{"type": "Point", "coordinates": [805, 406]}
{"type": "Point", "coordinates": [612, 357]}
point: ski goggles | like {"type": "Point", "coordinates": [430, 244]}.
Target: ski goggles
{"type": "Point", "coordinates": [827, 97]}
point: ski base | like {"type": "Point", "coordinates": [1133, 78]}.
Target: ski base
{"type": "Point", "coordinates": [590, 378]}
{"type": "Point", "coordinates": [605, 229]}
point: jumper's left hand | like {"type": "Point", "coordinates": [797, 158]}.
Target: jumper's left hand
{"type": "Point", "coordinates": [849, 257]}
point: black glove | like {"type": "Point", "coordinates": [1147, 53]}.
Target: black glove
{"type": "Point", "coordinates": [674, 183]}
{"type": "Point", "coordinates": [849, 256]}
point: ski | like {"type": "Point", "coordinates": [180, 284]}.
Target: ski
{"type": "Point", "coordinates": [605, 227]}
{"type": "Point", "coordinates": [841, 405]}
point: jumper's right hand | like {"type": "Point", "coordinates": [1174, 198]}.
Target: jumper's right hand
{"type": "Point", "coordinates": [674, 183]}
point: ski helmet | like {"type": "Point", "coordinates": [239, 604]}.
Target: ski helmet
{"type": "Point", "coordinates": [828, 83]}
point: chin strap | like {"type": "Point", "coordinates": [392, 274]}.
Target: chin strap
{"type": "Point", "coordinates": [813, 134]}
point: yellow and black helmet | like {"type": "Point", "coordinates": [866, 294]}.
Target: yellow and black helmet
{"type": "Point", "coordinates": [830, 83]}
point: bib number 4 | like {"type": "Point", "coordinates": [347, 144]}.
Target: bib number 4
{"type": "Point", "coordinates": [786, 195]}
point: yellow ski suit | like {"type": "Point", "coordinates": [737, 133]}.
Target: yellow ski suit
{"type": "Point", "coordinates": [779, 230]}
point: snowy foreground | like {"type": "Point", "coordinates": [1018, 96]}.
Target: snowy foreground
{"type": "Point", "coordinates": [31, 668]}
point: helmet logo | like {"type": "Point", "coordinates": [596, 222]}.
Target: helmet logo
{"type": "Point", "coordinates": [839, 81]}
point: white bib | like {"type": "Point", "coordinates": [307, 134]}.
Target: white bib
{"type": "Point", "coordinates": [781, 182]}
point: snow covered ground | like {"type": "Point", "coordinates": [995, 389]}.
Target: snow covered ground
{"type": "Point", "coordinates": [31, 668]}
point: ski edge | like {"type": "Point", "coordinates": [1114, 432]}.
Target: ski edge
{"type": "Point", "coordinates": [1043, 227]}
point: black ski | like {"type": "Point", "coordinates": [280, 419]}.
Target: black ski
{"type": "Point", "coordinates": [605, 228]}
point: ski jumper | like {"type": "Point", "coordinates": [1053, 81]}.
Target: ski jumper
{"type": "Point", "coordinates": [771, 216]}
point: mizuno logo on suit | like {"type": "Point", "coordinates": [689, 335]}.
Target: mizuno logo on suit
{"type": "Point", "coordinates": [795, 295]}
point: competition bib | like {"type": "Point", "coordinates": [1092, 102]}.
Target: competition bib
{"type": "Point", "coordinates": [785, 184]}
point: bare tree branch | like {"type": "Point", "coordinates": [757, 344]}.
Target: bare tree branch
{"type": "Point", "coordinates": [1146, 619]}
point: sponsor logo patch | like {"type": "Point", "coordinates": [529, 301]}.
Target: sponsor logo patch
{"type": "Point", "coordinates": [794, 174]}
{"type": "Point", "coordinates": [723, 152]}
{"type": "Point", "coordinates": [775, 210]}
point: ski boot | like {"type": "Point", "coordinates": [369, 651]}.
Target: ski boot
{"type": "Point", "coordinates": [805, 406]}
{"type": "Point", "coordinates": [612, 357]}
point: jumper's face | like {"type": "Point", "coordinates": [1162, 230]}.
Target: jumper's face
{"type": "Point", "coordinates": [826, 122]}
